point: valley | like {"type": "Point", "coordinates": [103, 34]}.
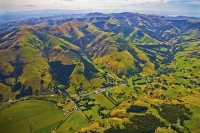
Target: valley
{"type": "Point", "coordinates": [119, 72]}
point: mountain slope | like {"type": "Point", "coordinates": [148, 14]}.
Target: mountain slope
{"type": "Point", "coordinates": [84, 52]}
{"type": "Point", "coordinates": [138, 36]}
{"type": "Point", "coordinates": [44, 57]}
{"type": "Point", "coordinates": [100, 46]}
{"type": "Point", "coordinates": [158, 27]}
{"type": "Point", "coordinates": [36, 59]}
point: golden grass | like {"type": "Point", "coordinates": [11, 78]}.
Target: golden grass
{"type": "Point", "coordinates": [66, 27]}
{"type": "Point", "coordinates": [92, 127]}
{"type": "Point", "coordinates": [4, 88]}
{"type": "Point", "coordinates": [117, 62]}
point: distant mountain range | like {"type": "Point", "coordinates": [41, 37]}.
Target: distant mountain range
{"type": "Point", "coordinates": [182, 18]}
{"type": "Point", "coordinates": [16, 16]}
{"type": "Point", "coordinates": [11, 21]}
{"type": "Point", "coordinates": [87, 51]}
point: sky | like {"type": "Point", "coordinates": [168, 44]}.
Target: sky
{"type": "Point", "coordinates": [173, 7]}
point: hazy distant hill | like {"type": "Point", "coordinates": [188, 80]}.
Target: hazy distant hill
{"type": "Point", "coordinates": [160, 28]}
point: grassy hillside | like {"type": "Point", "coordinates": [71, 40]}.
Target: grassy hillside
{"type": "Point", "coordinates": [191, 35]}
{"type": "Point", "coordinates": [45, 57]}
{"type": "Point", "coordinates": [31, 63]}
{"type": "Point", "coordinates": [138, 36]}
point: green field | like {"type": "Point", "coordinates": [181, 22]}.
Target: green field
{"type": "Point", "coordinates": [93, 112]}
{"type": "Point", "coordinates": [193, 124]}
{"type": "Point", "coordinates": [68, 106]}
{"type": "Point", "coordinates": [30, 116]}
{"type": "Point", "coordinates": [74, 123]}
{"type": "Point", "coordinates": [99, 101]}
{"type": "Point", "coordinates": [103, 101]}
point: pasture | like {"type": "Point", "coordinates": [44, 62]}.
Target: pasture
{"type": "Point", "coordinates": [93, 112]}
{"type": "Point", "coordinates": [103, 101]}
{"type": "Point", "coordinates": [30, 116]}
{"type": "Point", "coordinates": [74, 123]}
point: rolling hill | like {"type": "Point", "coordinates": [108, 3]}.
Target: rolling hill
{"type": "Point", "coordinates": [37, 61]}
{"type": "Point", "coordinates": [36, 58]}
